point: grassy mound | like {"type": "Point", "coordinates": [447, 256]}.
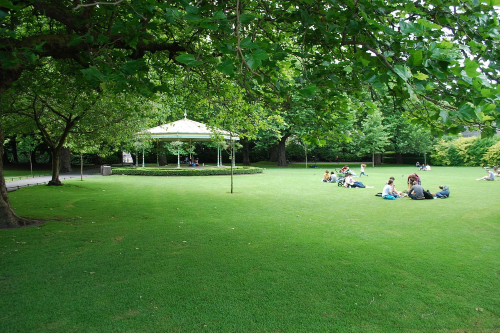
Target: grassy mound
{"type": "Point", "coordinates": [133, 171]}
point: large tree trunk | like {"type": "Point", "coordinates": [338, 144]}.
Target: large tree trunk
{"type": "Point", "coordinates": [399, 158]}
{"type": "Point", "coordinates": [55, 167]}
{"type": "Point", "coordinates": [8, 219]}
{"type": "Point", "coordinates": [65, 160]}
{"type": "Point", "coordinates": [162, 154]}
{"type": "Point", "coordinates": [246, 151]}
{"type": "Point", "coordinates": [282, 151]}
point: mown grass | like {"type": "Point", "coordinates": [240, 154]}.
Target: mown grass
{"type": "Point", "coordinates": [284, 253]}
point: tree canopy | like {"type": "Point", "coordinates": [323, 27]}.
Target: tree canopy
{"type": "Point", "coordinates": [437, 60]}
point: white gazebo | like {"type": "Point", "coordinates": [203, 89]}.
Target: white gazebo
{"type": "Point", "coordinates": [186, 130]}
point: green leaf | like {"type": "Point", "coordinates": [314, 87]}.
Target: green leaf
{"type": "Point", "coordinates": [226, 67]}
{"type": "Point", "coordinates": [254, 60]}
{"type": "Point", "coordinates": [6, 4]}
{"type": "Point", "coordinates": [416, 58]}
{"type": "Point", "coordinates": [428, 24]}
{"type": "Point", "coordinates": [444, 115]}
{"type": "Point", "coordinates": [102, 39]}
{"type": "Point", "coordinates": [188, 59]}
{"type": "Point", "coordinates": [93, 74]}
{"type": "Point", "coordinates": [488, 93]}
{"type": "Point", "coordinates": [348, 69]}
{"type": "Point", "coordinates": [467, 111]}
{"type": "Point", "coordinates": [410, 28]}
{"type": "Point", "coordinates": [246, 18]}
{"type": "Point", "coordinates": [247, 42]}
{"type": "Point", "coordinates": [75, 40]}
{"type": "Point", "coordinates": [309, 91]}
{"type": "Point", "coordinates": [471, 68]}
{"type": "Point", "coordinates": [371, 105]}
{"type": "Point", "coordinates": [447, 45]}
{"type": "Point", "coordinates": [421, 76]}
{"type": "Point", "coordinates": [133, 66]}
{"type": "Point", "coordinates": [403, 72]}
{"type": "Point", "coordinates": [219, 15]}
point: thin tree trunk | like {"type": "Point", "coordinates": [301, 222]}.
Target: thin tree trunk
{"type": "Point", "coordinates": [81, 166]}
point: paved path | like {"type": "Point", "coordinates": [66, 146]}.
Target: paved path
{"type": "Point", "coordinates": [41, 180]}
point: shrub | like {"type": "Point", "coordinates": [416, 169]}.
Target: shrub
{"type": "Point", "coordinates": [479, 149]}
{"type": "Point", "coordinates": [440, 155]}
{"type": "Point", "coordinates": [460, 154]}
{"type": "Point", "coordinates": [492, 155]}
{"type": "Point", "coordinates": [184, 171]}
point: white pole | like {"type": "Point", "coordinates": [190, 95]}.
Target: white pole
{"type": "Point", "coordinates": [178, 158]}
{"type": "Point", "coordinates": [143, 158]}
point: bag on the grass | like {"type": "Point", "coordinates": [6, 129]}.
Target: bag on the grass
{"type": "Point", "coordinates": [428, 195]}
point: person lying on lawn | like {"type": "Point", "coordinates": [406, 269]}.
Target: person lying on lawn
{"type": "Point", "coordinates": [349, 182]}
{"type": "Point", "coordinates": [444, 193]}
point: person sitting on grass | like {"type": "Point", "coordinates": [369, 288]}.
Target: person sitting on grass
{"type": "Point", "coordinates": [489, 177]}
{"type": "Point", "coordinates": [444, 193]}
{"type": "Point", "coordinates": [333, 177]}
{"type": "Point", "coordinates": [387, 191]}
{"type": "Point", "coordinates": [395, 192]}
{"type": "Point", "coordinates": [416, 191]}
{"type": "Point", "coordinates": [326, 177]}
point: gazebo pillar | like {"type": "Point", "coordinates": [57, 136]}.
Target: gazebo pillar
{"type": "Point", "coordinates": [178, 158]}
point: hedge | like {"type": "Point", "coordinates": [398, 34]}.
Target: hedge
{"type": "Point", "coordinates": [133, 171]}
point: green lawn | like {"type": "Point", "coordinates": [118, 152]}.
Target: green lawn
{"type": "Point", "coordinates": [284, 253]}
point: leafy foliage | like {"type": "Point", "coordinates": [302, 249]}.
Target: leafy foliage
{"type": "Point", "coordinates": [468, 151]}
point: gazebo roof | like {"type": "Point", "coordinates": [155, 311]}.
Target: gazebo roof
{"type": "Point", "coordinates": [186, 130]}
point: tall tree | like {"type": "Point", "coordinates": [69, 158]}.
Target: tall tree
{"type": "Point", "coordinates": [374, 136]}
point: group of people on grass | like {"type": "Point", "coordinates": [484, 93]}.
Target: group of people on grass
{"type": "Point", "coordinates": [346, 174]}
{"type": "Point", "coordinates": [415, 190]}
